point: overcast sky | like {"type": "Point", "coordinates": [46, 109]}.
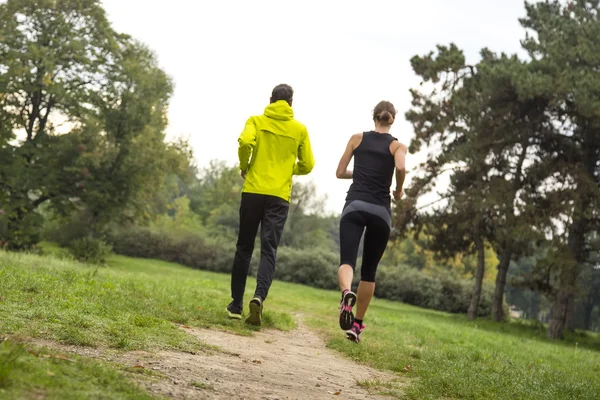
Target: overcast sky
{"type": "Point", "coordinates": [341, 58]}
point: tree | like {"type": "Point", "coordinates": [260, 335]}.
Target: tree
{"type": "Point", "coordinates": [477, 130]}
{"type": "Point", "coordinates": [518, 292]}
{"type": "Point", "coordinates": [591, 279]}
{"type": "Point", "coordinates": [452, 234]}
{"type": "Point", "coordinates": [459, 227]}
{"type": "Point", "coordinates": [215, 196]}
{"type": "Point", "coordinates": [128, 160]}
{"type": "Point", "coordinates": [539, 121]}
{"type": "Point", "coordinates": [80, 106]}
{"type": "Point", "coordinates": [564, 55]}
{"type": "Point", "coordinates": [52, 60]}
{"type": "Point", "coordinates": [589, 299]}
{"type": "Point", "coordinates": [218, 186]}
{"type": "Point", "coordinates": [306, 226]}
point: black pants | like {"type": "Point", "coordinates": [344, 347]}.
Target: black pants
{"type": "Point", "coordinates": [270, 213]}
{"type": "Point", "coordinates": [357, 217]}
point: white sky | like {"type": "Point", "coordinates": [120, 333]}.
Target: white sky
{"type": "Point", "coordinates": [341, 58]}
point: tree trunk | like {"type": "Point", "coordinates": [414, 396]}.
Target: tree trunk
{"type": "Point", "coordinates": [579, 228]}
{"type": "Point", "coordinates": [587, 315]}
{"type": "Point", "coordinates": [568, 277]}
{"type": "Point", "coordinates": [472, 313]}
{"type": "Point", "coordinates": [498, 300]}
{"type": "Point", "coordinates": [570, 323]}
{"type": "Point", "coordinates": [558, 315]}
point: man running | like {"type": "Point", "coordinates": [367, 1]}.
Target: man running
{"type": "Point", "coordinates": [273, 147]}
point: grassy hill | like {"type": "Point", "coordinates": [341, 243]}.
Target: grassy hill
{"type": "Point", "coordinates": [134, 304]}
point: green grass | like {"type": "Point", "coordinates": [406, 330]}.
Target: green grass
{"type": "Point", "coordinates": [44, 374]}
{"type": "Point", "coordinates": [131, 304]}
{"type": "Point", "coordinates": [135, 304]}
{"type": "Point", "coordinates": [454, 358]}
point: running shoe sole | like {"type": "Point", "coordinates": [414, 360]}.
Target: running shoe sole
{"type": "Point", "coordinates": [233, 315]}
{"type": "Point", "coordinates": [255, 317]}
{"type": "Point", "coordinates": [352, 336]}
{"type": "Point", "coordinates": [346, 316]}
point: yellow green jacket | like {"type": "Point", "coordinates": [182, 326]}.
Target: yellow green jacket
{"type": "Point", "coordinates": [272, 148]}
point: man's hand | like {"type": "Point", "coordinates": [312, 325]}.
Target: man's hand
{"type": "Point", "coordinates": [243, 174]}
{"type": "Point", "coordinates": [398, 194]}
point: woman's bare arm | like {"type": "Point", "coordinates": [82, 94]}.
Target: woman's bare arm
{"type": "Point", "coordinates": [399, 151]}
{"type": "Point", "coordinates": [342, 169]}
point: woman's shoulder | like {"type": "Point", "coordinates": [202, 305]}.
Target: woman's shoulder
{"type": "Point", "coordinates": [396, 145]}
{"type": "Point", "coordinates": [356, 139]}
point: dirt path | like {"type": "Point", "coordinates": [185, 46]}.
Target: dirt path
{"type": "Point", "coordinates": [266, 366]}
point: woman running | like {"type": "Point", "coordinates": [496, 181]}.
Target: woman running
{"type": "Point", "coordinates": [376, 155]}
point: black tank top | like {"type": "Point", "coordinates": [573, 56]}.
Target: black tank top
{"type": "Point", "coordinates": [373, 169]}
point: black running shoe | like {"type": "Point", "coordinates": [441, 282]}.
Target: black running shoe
{"type": "Point", "coordinates": [256, 308]}
{"type": "Point", "coordinates": [346, 314]}
{"type": "Point", "coordinates": [234, 311]}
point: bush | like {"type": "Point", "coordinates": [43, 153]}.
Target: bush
{"type": "Point", "coordinates": [312, 267]}
{"type": "Point", "coordinates": [22, 234]}
{"type": "Point", "coordinates": [443, 292]}
{"type": "Point", "coordinates": [64, 230]}
{"type": "Point", "coordinates": [408, 285]}
{"type": "Point", "coordinates": [316, 267]}
{"type": "Point", "coordinates": [183, 247]}
{"type": "Point", "coordinates": [90, 250]}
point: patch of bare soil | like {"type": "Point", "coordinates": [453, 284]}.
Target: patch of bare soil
{"type": "Point", "coordinates": [266, 366]}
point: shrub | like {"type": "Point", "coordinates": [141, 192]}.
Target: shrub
{"type": "Point", "coordinates": [316, 267]}
{"type": "Point", "coordinates": [443, 292]}
{"type": "Point", "coordinates": [90, 250]}
{"type": "Point", "coordinates": [23, 235]}
{"type": "Point", "coordinates": [408, 285]}
{"type": "Point", "coordinates": [313, 267]}
{"type": "Point", "coordinates": [183, 247]}
{"type": "Point", "coordinates": [64, 230]}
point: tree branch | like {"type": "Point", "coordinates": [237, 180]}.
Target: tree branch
{"type": "Point", "coordinates": [39, 201]}
{"type": "Point", "coordinates": [44, 119]}
{"type": "Point", "coordinates": [434, 202]}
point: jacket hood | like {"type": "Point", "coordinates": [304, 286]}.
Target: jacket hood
{"type": "Point", "coordinates": [279, 110]}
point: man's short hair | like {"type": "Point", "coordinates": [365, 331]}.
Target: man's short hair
{"type": "Point", "coordinates": [282, 92]}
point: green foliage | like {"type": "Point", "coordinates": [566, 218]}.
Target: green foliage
{"type": "Point", "coordinates": [179, 216]}
{"type": "Point", "coordinates": [416, 252]}
{"type": "Point", "coordinates": [218, 184]}
{"type": "Point", "coordinates": [215, 197]}
{"type": "Point", "coordinates": [315, 267]}
{"type": "Point", "coordinates": [516, 137]}
{"type": "Point", "coordinates": [82, 118]}
{"type": "Point", "coordinates": [441, 291]}
{"type": "Point", "coordinates": [90, 250]}
{"type": "Point", "coordinates": [52, 59]}
{"type": "Point", "coordinates": [529, 301]}
{"type": "Point", "coordinates": [20, 229]}
{"type": "Point", "coordinates": [565, 51]}
{"type": "Point", "coordinates": [307, 226]}
{"type": "Point", "coordinates": [73, 233]}
{"type": "Point", "coordinates": [194, 250]}
{"type": "Point", "coordinates": [128, 162]}
{"type": "Point", "coordinates": [484, 158]}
